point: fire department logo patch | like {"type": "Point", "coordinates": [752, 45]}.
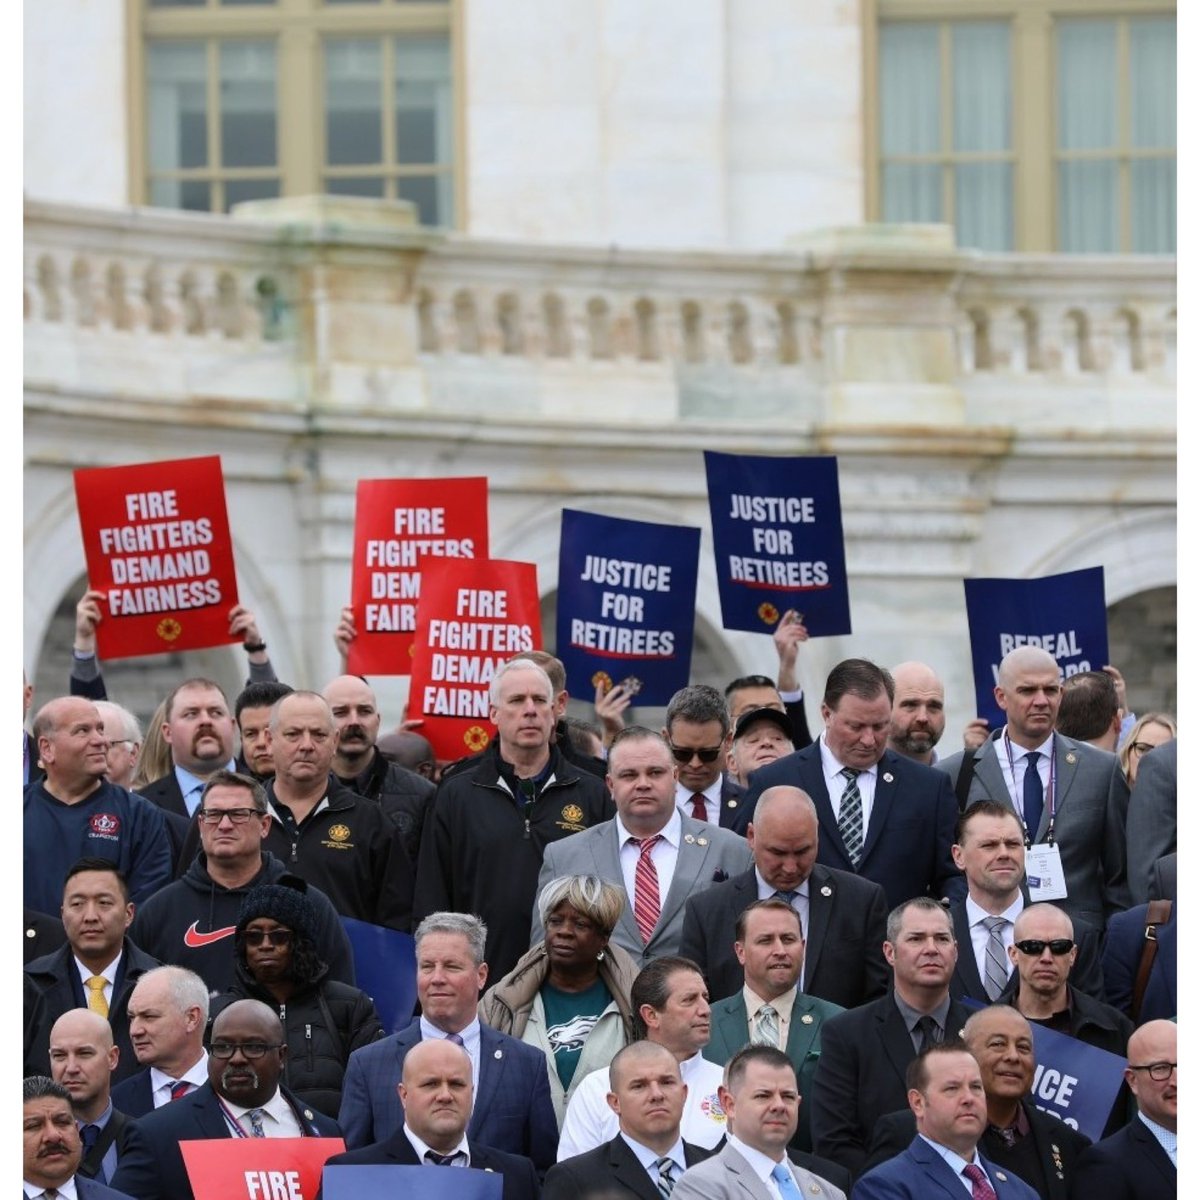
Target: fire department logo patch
{"type": "Point", "coordinates": [339, 833]}
{"type": "Point", "coordinates": [710, 1106]}
{"type": "Point", "coordinates": [603, 681]}
{"type": "Point", "coordinates": [168, 629]}
{"type": "Point", "coordinates": [768, 613]}
{"type": "Point", "coordinates": [105, 825]}
{"type": "Point", "coordinates": [475, 738]}
{"type": "Point", "coordinates": [573, 813]}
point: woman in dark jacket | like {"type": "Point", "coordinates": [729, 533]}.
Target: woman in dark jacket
{"type": "Point", "coordinates": [323, 1020]}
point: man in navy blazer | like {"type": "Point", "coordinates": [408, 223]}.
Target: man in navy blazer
{"type": "Point", "coordinates": [945, 1093]}
{"type": "Point", "coordinates": [436, 1093]}
{"type": "Point", "coordinates": [513, 1110]}
{"type": "Point", "coordinates": [1138, 1162]}
{"type": "Point", "coordinates": [242, 1097]}
{"type": "Point", "coordinates": [1123, 948]}
{"type": "Point", "coordinates": [52, 1150]}
{"type": "Point", "coordinates": [898, 815]}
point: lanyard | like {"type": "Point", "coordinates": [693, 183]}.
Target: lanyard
{"type": "Point", "coordinates": [230, 1119]}
{"type": "Point", "coordinates": [1030, 836]}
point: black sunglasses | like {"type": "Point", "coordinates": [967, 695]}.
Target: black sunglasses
{"type": "Point", "coordinates": [250, 1050]}
{"type": "Point", "coordinates": [1034, 947]}
{"type": "Point", "coordinates": [683, 755]}
{"type": "Point", "coordinates": [277, 937]}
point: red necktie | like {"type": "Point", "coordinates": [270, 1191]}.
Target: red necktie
{"type": "Point", "coordinates": [699, 813]}
{"type": "Point", "coordinates": [980, 1188]}
{"type": "Point", "coordinates": [179, 1089]}
{"type": "Point", "coordinates": [646, 906]}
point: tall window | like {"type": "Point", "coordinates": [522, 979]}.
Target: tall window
{"type": "Point", "coordinates": [1026, 124]}
{"type": "Point", "coordinates": [246, 99]}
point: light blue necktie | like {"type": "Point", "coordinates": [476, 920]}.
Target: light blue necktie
{"type": "Point", "coordinates": [787, 1185]}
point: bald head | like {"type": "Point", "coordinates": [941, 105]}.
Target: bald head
{"type": "Point", "coordinates": [918, 711]}
{"type": "Point", "coordinates": [1025, 658]}
{"type": "Point", "coordinates": [82, 1059]}
{"type": "Point", "coordinates": [410, 750]}
{"type": "Point", "coordinates": [783, 837]}
{"type": "Point", "coordinates": [1154, 1046]}
{"type": "Point", "coordinates": [72, 745]}
{"type": "Point", "coordinates": [356, 713]}
{"type": "Point", "coordinates": [82, 1022]}
{"type": "Point", "coordinates": [437, 1093]}
{"type": "Point", "coordinates": [635, 1055]}
{"type": "Point", "coordinates": [1029, 692]}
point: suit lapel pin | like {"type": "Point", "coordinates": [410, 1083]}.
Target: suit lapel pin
{"type": "Point", "coordinates": [815, 1188]}
{"type": "Point", "coordinates": [1000, 1175]}
{"type": "Point", "coordinates": [1071, 758]}
{"type": "Point", "coordinates": [687, 837]}
{"type": "Point", "coordinates": [888, 777]}
{"type": "Point", "coordinates": [731, 804]}
{"type": "Point", "coordinates": [490, 1170]}
{"type": "Point", "coordinates": [498, 1054]}
{"type": "Point", "coordinates": [827, 890]}
{"type": "Point", "coordinates": [703, 841]}
{"type": "Point", "coordinates": [806, 1019]}
{"type": "Point", "coordinates": [308, 1113]}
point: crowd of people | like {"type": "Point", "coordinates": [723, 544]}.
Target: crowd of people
{"type": "Point", "coordinates": [715, 959]}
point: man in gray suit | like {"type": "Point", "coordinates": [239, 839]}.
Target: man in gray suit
{"type": "Point", "coordinates": [762, 1105]}
{"type": "Point", "coordinates": [1072, 796]}
{"type": "Point", "coordinates": [660, 856]}
{"type": "Point", "coordinates": [1151, 826]}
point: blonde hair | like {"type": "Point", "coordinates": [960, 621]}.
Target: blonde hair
{"type": "Point", "coordinates": [1154, 718]}
{"type": "Point", "coordinates": [590, 895]}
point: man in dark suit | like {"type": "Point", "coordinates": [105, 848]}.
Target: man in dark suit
{"type": "Point", "coordinates": [167, 1015]}
{"type": "Point", "coordinates": [513, 1111]}
{"type": "Point", "coordinates": [82, 1058]}
{"type": "Point", "coordinates": [243, 1092]}
{"type": "Point", "coordinates": [51, 1147]}
{"type": "Point", "coordinates": [1150, 829]}
{"type": "Point", "coordinates": [1124, 946]}
{"type": "Point", "coordinates": [946, 1095]}
{"type": "Point", "coordinates": [697, 731]}
{"type": "Point", "coordinates": [882, 816]}
{"type": "Point", "coordinates": [843, 916]}
{"type": "Point", "coordinates": [989, 849]}
{"type": "Point", "coordinates": [769, 1009]}
{"type": "Point", "coordinates": [1139, 1162]}
{"type": "Point", "coordinates": [96, 913]}
{"type": "Point", "coordinates": [1019, 1137]}
{"type": "Point", "coordinates": [435, 1090]}
{"type": "Point", "coordinates": [865, 1052]}
{"type": "Point", "coordinates": [647, 1093]}
{"type": "Point", "coordinates": [198, 727]}
{"type": "Point", "coordinates": [43, 935]}
{"type": "Point", "coordinates": [1074, 796]}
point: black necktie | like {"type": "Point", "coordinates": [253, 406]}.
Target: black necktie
{"type": "Point", "coordinates": [442, 1160]}
{"type": "Point", "coordinates": [928, 1029]}
{"type": "Point", "coordinates": [1033, 795]}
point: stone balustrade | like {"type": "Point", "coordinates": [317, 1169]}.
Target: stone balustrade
{"type": "Point", "coordinates": [383, 310]}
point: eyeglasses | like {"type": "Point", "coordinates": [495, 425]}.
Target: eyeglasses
{"type": "Point", "coordinates": [239, 816]}
{"type": "Point", "coordinates": [250, 1050]}
{"type": "Point", "coordinates": [276, 937]}
{"type": "Point", "coordinates": [1160, 1072]}
{"type": "Point", "coordinates": [683, 755]}
{"type": "Point", "coordinates": [1034, 946]}
{"type": "Point", "coordinates": [118, 742]}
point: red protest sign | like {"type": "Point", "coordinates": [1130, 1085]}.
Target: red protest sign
{"type": "Point", "coordinates": [473, 616]}
{"type": "Point", "coordinates": [258, 1168]}
{"type": "Point", "coordinates": [397, 524]}
{"type": "Point", "coordinates": [156, 539]}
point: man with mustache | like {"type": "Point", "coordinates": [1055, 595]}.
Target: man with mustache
{"type": "Point", "coordinates": [359, 765]}
{"type": "Point", "coordinates": [198, 727]}
{"type": "Point", "coordinates": [242, 1098]}
{"type": "Point", "coordinates": [52, 1148]}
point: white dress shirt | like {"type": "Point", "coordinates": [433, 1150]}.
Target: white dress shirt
{"type": "Point", "coordinates": [109, 973]}
{"type": "Point", "coordinates": [66, 1190]}
{"type": "Point", "coordinates": [712, 800]}
{"type": "Point", "coordinates": [664, 855]}
{"type": "Point", "coordinates": [421, 1148]}
{"type": "Point", "coordinates": [160, 1084]}
{"type": "Point", "coordinates": [979, 934]}
{"type": "Point", "coordinates": [958, 1164]}
{"type": "Point", "coordinates": [278, 1120]}
{"type": "Point", "coordinates": [836, 783]}
{"type": "Point", "coordinates": [648, 1157]}
{"type": "Point", "coordinates": [1014, 771]}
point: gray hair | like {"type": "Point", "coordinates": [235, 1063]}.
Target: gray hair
{"type": "Point", "coordinates": [130, 729]}
{"type": "Point", "coordinates": [518, 664]}
{"type": "Point", "coordinates": [699, 704]}
{"type": "Point", "coordinates": [466, 925]}
{"type": "Point", "coordinates": [40, 1087]}
{"type": "Point", "coordinates": [234, 779]}
{"type": "Point", "coordinates": [597, 899]}
{"type": "Point", "coordinates": [186, 988]}
{"type": "Point", "coordinates": [303, 695]}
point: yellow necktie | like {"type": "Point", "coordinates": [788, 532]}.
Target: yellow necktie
{"type": "Point", "coordinates": [96, 1001]}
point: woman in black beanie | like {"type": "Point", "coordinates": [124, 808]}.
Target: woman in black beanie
{"type": "Point", "coordinates": [323, 1020]}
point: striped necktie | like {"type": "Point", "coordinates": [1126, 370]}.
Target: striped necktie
{"type": "Point", "coordinates": [666, 1179]}
{"type": "Point", "coordinates": [995, 960]}
{"type": "Point", "coordinates": [850, 821]}
{"type": "Point", "coordinates": [646, 904]}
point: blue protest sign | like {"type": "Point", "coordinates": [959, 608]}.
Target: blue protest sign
{"type": "Point", "coordinates": [385, 967]}
{"type": "Point", "coordinates": [430, 1183]}
{"type": "Point", "coordinates": [1073, 1081]}
{"type": "Point", "coordinates": [1063, 614]}
{"type": "Point", "coordinates": [626, 603]}
{"type": "Point", "coordinates": [777, 538]}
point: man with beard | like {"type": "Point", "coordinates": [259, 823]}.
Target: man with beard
{"type": "Point", "coordinates": [52, 1148]}
{"type": "Point", "coordinates": [359, 765]}
{"type": "Point", "coordinates": [198, 728]}
{"type": "Point", "coordinates": [918, 712]}
{"type": "Point", "coordinates": [242, 1098]}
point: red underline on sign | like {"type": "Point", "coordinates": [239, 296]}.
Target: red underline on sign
{"type": "Point", "coordinates": [616, 654]}
{"type": "Point", "coordinates": [781, 587]}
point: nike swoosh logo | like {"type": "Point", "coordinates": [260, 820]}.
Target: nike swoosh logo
{"type": "Point", "coordinates": [195, 939]}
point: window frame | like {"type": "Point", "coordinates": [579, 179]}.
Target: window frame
{"type": "Point", "coordinates": [299, 29]}
{"type": "Point", "coordinates": [1035, 155]}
